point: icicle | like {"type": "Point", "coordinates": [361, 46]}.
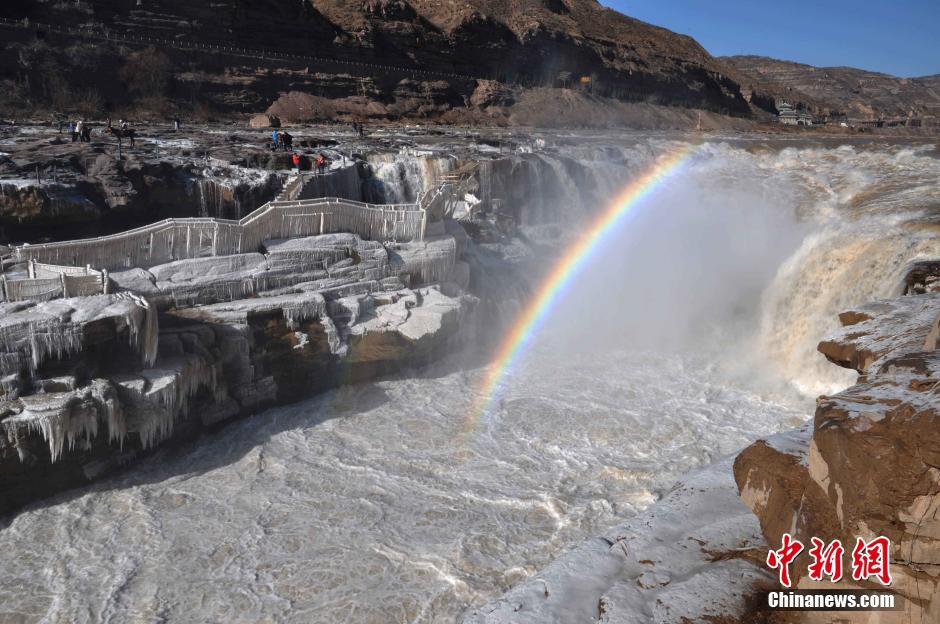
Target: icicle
{"type": "Point", "coordinates": [170, 392]}
{"type": "Point", "coordinates": [143, 327]}
{"type": "Point", "coordinates": [11, 363]}
{"type": "Point", "coordinates": [332, 335]}
{"type": "Point", "coordinates": [296, 313]}
{"type": "Point", "coordinates": [68, 419]}
{"type": "Point", "coordinates": [52, 339]}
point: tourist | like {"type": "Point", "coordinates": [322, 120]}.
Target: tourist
{"type": "Point", "coordinates": [296, 160]}
{"type": "Point", "coordinates": [275, 138]}
{"type": "Point", "coordinates": [80, 131]}
{"type": "Point", "coordinates": [287, 141]}
{"type": "Point", "coordinates": [176, 124]}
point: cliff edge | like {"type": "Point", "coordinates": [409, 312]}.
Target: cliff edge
{"type": "Point", "coordinates": [869, 465]}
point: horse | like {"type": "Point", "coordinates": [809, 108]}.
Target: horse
{"type": "Point", "coordinates": [120, 134]}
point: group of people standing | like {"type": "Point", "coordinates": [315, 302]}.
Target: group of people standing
{"type": "Point", "coordinates": [79, 130]}
{"type": "Point", "coordinates": [320, 162]}
{"type": "Point", "coordinates": [281, 140]}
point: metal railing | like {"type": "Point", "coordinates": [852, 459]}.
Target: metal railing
{"type": "Point", "coordinates": [49, 281]}
{"type": "Point", "coordinates": [178, 239]}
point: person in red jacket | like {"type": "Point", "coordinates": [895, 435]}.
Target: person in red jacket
{"type": "Point", "coordinates": [296, 160]}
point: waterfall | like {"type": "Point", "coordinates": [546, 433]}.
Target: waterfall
{"type": "Point", "coordinates": [844, 264]}
{"type": "Point", "coordinates": [870, 221]}
{"type": "Point", "coordinates": [232, 192]}
{"type": "Point", "coordinates": [401, 178]}
{"type": "Point", "coordinates": [216, 200]}
{"type": "Point", "coordinates": [749, 254]}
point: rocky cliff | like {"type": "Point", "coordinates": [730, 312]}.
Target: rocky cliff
{"type": "Point", "coordinates": [408, 58]}
{"type": "Point", "coordinates": [52, 188]}
{"type": "Point", "coordinates": [868, 464]}
{"type": "Point", "coordinates": [839, 90]}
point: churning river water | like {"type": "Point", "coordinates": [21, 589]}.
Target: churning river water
{"type": "Point", "coordinates": [390, 501]}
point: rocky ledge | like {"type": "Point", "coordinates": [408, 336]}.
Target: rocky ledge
{"type": "Point", "coordinates": [90, 382]}
{"type": "Point", "coordinates": [870, 464]}
{"type": "Point", "coordinates": [53, 189]}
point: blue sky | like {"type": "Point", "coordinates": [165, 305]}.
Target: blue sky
{"type": "Point", "coordinates": [900, 37]}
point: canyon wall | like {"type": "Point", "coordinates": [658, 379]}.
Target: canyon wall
{"type": "Point", "coordinates": [383, 59]}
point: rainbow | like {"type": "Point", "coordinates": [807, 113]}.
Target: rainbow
{"type": "Point", "coordinates": [554, 286]}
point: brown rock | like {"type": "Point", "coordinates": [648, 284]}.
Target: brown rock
{"type": "Point", "coordinates": [870, 464]}
{"type": "Point", "coordinates": [259, 121]}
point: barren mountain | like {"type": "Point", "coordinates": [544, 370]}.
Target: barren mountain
{"type": "Point", "coordinates": [379, 51]}
{"type": "Point", "coordinates": [833, 90]}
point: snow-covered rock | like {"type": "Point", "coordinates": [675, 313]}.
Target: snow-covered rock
{"type": "Point", "coordinates": [240, 332]}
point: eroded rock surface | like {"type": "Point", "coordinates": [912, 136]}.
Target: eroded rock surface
{"type": "Point", "coordinates": [868, 466]}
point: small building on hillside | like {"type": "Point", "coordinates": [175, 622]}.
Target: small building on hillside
{"type": "Point", "coordinates": [786, 114]}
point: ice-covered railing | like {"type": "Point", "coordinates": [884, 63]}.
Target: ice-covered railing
{"type": "Point", "coordinates": [49, 281]}
{"type": "Point", "coordinates": [179, 239]}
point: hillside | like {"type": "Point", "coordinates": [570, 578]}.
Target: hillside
{"type": "Point", "coordinates": [831, 90]}
{"type": "Point", "coordinates": [481, 54]}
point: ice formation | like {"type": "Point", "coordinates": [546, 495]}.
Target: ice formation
{"type": "Point", "coordinates": [66, 419]}
{"type": "Point", "coordinates": [143, 326]}
{"type": "Point", "coordinates": [165, 394]}
{"type": "Point", "coordinates": [426, 262]}
{"type": "Point", "coordinates": [177, 239]}
{"type": "Point", "coordinates": [31, 334]}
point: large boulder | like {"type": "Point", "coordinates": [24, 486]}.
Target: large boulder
{"type": "Point", "coordinates": [262, 121]}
